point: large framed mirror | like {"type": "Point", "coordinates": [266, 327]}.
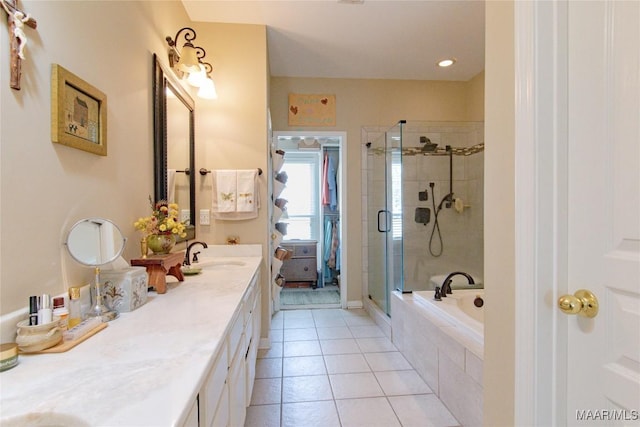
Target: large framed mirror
{"type": "Point", "coordinates": [174, 144]}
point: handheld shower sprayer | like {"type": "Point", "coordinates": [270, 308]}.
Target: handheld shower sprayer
{"type": "Point", "coordinates": [447, 201]}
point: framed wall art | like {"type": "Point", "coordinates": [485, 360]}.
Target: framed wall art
{"type": "Point", "coordinates": [312, 110]}
{"type": "Point", "coordinates": [78, 112]}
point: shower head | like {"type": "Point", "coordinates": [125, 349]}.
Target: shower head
{"type": "Point", "coordinates": [429, 146]}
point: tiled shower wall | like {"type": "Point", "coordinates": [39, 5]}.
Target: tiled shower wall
{"type": "Point", "coordinates": [462, 233]}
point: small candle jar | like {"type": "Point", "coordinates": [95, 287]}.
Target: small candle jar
{"type": "Point", "coordinates": [8, 356]}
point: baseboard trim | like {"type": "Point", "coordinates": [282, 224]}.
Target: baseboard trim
{"type": "Point", "coordinates": [378, 316]}
{"type": "Point", "coordinates": [354, 304]}
{"type": "Point", "coordinates": [286, 307]}
{"type": "Point", "coordinates": [265, 343]}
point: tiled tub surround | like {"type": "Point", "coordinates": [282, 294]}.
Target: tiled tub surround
{"type": "Point", "coordinates": [146, 368]}
{"type": "Point", "coordinates": [447, 354]}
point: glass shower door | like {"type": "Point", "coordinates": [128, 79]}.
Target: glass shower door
{"type": "Point", "coordinates": [384, 214]}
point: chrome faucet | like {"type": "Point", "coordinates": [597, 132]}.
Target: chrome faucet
{"type": "Point", "coordinates": [446, 285]}
{"type": "Point", "coordinates": [187, 256]}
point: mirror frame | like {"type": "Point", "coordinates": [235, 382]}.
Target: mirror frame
{"type": "Point", "coordinates": [162, 79]}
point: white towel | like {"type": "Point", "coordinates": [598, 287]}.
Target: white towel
{"type": "Point", "coordinates": [224, 191]}
{"type": "Point", "coordinates": [244, 201]}
{"type": "Point", "coordinates": [246, 190]}
{"type": "Point", "coordinates": [171, 185]}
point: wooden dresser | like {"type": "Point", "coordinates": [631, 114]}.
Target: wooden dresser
{"type": "Point", "coordinates": [301, 268]}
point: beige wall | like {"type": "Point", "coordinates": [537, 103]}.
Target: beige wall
{"type": "Point", "coordinates": [361, 102]}
{"type": "Point", "coordinates": [231, 131]}
{"type": "Point", "coordinates": [475, 98]}
{"type": "Point", "coordinates": [499, 216]}
{"type": "Point", "coordinates": [45, 188]}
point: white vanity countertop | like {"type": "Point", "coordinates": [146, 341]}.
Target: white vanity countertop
{"type": "Point", "coordinates": [145, 368]}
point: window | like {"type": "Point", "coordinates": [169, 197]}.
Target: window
{"type": "Point", "coordinates": [302, 195]}
{"type": "Point", "coordinates": [396, 195]}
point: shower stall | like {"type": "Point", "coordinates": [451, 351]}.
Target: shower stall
{"type": "Point", "coordinates": [423, 185]}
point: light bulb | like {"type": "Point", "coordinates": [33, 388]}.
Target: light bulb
{"type": "Point", "coordinates": [208, 89]}
{"type": "Point", "coordinates": [198, 78]}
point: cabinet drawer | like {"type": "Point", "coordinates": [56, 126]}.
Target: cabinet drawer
{"type": "Point", "coordinates": [235, 333]}
{"type": "Point", "coordinates": [305, 251]}
{"type": "Point", "coordinates": [300, 269]}
{"type": "Point", "coordinates": [215, 386]}
{"type": "Point", "coordinates": [237, 391]}
{"type": "Point", "coordinates": [249, 303]}
{"type": "Point", "coordinates": [301, 249]}
{"type": "Point", "coordinates": [221, 419]}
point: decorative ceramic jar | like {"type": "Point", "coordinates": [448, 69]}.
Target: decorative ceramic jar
{"type": "Point", "coordinates": [125, 289]}
{"type": "Point", "coordinates": [161, 243]}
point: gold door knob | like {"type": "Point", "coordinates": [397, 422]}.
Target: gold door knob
{"type": "Point", "coordinates": [583, 302]}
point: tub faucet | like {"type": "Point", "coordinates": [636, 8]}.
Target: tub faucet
{"type": "Point", "coordinates": [446, 285]}
{"type": "Point", "coordinates": [187, 257]}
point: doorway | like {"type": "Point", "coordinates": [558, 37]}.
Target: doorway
{"type": "Point", "coordinates": [315, 194]}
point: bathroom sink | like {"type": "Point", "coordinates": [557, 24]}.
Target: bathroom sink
{"type": "Point", "coordinates": [219, 264]}
{"type": "Point", "coordinates": [35, 419]}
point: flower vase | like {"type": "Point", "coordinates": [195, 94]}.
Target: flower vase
{"type": "Point", "coordinates": [161, 244]}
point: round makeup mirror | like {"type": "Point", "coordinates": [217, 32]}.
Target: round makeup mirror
{"type": "Point", "coordinates": [95, 242]}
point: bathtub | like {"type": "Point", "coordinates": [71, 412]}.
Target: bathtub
{"type": "Point", "coordinates": [459, 309]}
{"type": "Point", "coordinates": [444, 342]}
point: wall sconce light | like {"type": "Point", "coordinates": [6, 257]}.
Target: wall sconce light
{"type": "Point", "coordinates": [188, 63]}
{"type": "Point", "coordinates": [205, 82]}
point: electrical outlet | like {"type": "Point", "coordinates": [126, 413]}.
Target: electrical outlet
{"type": "Point", "coordinates": [205, 217]}
{"type": "Point", "coordinates": [185, 215]}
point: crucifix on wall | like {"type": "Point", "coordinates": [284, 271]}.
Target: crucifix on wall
{"type": "Point", "coordinates": [17, 19]}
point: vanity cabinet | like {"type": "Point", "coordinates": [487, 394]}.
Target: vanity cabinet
{"type": "Point", "coordinates": [226, 393]}
{"type": "Point", "coordinates": [215, 319]}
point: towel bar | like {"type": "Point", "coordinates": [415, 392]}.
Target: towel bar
{"type": "Point", "coordinates": [204, 171]}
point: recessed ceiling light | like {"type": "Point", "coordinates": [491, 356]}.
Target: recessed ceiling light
{"type": "Point", "coordinates": [446, 62]}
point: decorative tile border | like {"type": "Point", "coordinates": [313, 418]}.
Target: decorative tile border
{"type": "Point", "coordinates": [457, 151]}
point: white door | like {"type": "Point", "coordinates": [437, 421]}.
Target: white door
{"type": "Point", "coordinates": [603, 134]}
{"type": "Point", "coordinates": [577, 211]}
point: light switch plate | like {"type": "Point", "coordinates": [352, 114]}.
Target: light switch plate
{"type": "Point", "coordinates": [205, 217]}
{"type": "Point", "coordinates": [185, 215]}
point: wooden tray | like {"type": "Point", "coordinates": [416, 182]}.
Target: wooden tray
{"type": "Point", "coordinates": [68, 345]}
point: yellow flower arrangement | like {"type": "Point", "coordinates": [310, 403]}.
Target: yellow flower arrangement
{"type": "Point", "coordinates": [163, 220]}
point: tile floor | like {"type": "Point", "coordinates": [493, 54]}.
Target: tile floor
{"type": "Point", "coordinates": [334, 367]}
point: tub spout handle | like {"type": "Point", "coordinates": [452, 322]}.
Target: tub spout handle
{"type": "Point", "coordinates": [436, 295]}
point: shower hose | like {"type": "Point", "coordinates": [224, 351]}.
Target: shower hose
{"type": "Point", "coordinates": [436, 227]}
